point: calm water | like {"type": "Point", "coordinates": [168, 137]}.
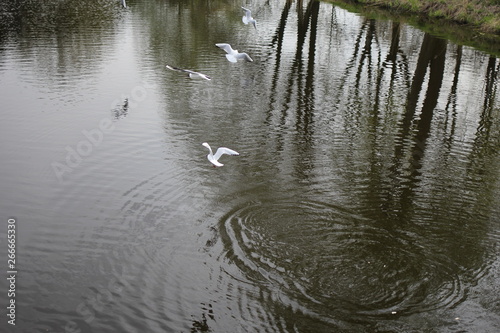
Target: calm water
{"type": "Point", "coordinates": [366, 197]}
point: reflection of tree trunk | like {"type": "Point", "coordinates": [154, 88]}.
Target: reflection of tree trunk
{"type": "Point", "coordinates": [433, 55]}
{"type": "Point", "coordinates": [452, 99]}
{"type": "Point", "coordinates": [278, 37]}
{"type": "Point", "coordinates": [351, 62]}
{"type": "Point", "coordinates": [437, 61]}
{"type": "Point", "coordinates": [378, 88]}
{"type": "Point", "coordinates": [399, 69]}
{"type": "Point", "coordinates": [302, 28]}
{"type": "Point", "coordinates": [304, 112]}
{"type": "Point", "coordinates": [367, 52]}
{"type": "Point", "coordinates": [425, 56]}
{"type": "Point", "coordinates": [308, 98]}
{"type": "Point", "coordinates": [300, 11]}
{"type": "Point", "coordinates": [418, 79]}
{"type": "Point", "coordinates": [392, 56]}
{"type": "Point", "coordinates": [313, 6]}
{"type": "Point", "coordinates": [491, 76]}
{"type": "Point", "coordinates": [393, 51]}
{"type": "Point", "coordinates": [482, 165]}
{"type": "Point", "coordinates": [333, 25]}
{"type": "Point", "coordinates": [484, 139]}
{"type": "Point", "coordinates": [305, 96]}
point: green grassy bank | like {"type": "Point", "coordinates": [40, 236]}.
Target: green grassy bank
{"type": "Point", "coordinates": [483, 15]}
{"type": "Point", "coordinates": [481, 29]}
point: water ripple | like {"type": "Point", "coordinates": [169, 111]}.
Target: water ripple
{"type": "Point", "coordinates": [338, 264]}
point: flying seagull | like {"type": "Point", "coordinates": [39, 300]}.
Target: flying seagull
{"type": "Point", "coordinates": [221, 151]}
{"type": "Point", "coordinates": [191, 74]}
{"type": "Point", "coordinates": [233, 55]}
{"type": "Point", "coordinates": [124, 4]}
{"type": "Point", "coordinates": [247, 18]}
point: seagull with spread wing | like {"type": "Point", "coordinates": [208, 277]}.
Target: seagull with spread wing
{"type": "Point", "coordinates": [191, 74]}
{"type": "Point", "coordinates": [247, 18]}
{"type": "Point", "coordinates": [214, 159]}
{"type": "Point", "coordinates": [233, 55]}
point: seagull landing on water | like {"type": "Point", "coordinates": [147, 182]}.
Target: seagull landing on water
{"type": "Point", "coordinates": [221, 151]}
{"type": "Point", "coordinates": [191, 74]}
{"type": "Point", "coordinates": [247, 18]}
{"type": "Point", "coordinates": [233, 55]}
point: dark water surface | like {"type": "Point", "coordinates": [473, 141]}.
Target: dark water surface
{"type": "Point", "coordinates": [366, 197]}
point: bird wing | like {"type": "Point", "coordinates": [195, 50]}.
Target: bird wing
{"type": "Point", "coordinates": [206, 77]}
{"type": "Point", "coordinates": [244, 56]}
{"type": "Point", "coordinates": [225, 47]}
{"type": "Point", "coordinates": [181, 70]}
{"type": "Point", "coordinates": [192, 74]}
{"type": "Point", "coordinates": [172, 68]}
{"type": "Point", "coordinates": [196, 75]}
{"type": "Point", "coordinates": [248, 12]}
{"type": "Point", "coordinates": [223, 150]}
{"type": "Point", "coordinates": [248, 15]}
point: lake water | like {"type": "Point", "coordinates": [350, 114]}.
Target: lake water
{"type": "Point", "coordinates": [366, 197]}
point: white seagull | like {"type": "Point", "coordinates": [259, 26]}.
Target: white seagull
{"type": "Point", "coordinates": [233, 55]}
{"type": "Point", "coordinates": [221, 151]}
{"type": "Point", "coordinates": [124, 4]}
{"type": "Point", "coordinates": [247, 18]}
{"type": "Point", "coordinates": [191, 74]}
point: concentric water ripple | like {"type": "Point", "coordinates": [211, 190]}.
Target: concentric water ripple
{"type": "Point", "coordinates": [338, 264]}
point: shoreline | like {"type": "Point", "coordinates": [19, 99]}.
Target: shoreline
{"type": "Point", "coordinates": [481, 29]}
{"type": "Point", "coordinates": [482, 15]}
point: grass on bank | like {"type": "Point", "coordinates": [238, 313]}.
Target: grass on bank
{"type": "Point", "coordinates": [483, 14]}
